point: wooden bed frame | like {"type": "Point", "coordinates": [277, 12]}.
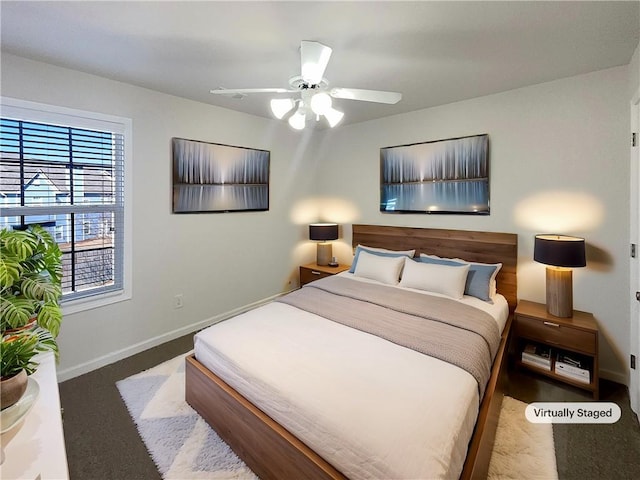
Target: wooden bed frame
{"type": "Point", "coordinates": [271, 452]}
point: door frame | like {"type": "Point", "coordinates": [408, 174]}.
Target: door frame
{"type": "Point", "coordinates": [634, 337]}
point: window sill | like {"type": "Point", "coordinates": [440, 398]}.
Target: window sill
{"type": "Point", "coordinates": [84, 304]}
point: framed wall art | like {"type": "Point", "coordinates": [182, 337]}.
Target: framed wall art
{"type": "Point", "coordinates": [444, 176]}
{"type": "Point", "coordinates": [209, 177]}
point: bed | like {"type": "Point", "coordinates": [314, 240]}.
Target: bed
{"type": "Point", "coordinates": [271, 408]}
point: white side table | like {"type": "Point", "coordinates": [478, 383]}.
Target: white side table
{"type": "Point", "coordinates": [35, 448]}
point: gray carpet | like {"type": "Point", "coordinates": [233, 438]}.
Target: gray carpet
{"type": "Point", "coordinates": [587, 451]}
{"type": "Point", "coordinates": [103, 443]}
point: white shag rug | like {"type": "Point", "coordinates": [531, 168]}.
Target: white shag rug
{"type": "Point", "coordinates": [522, 450]}
{"type": "Point", "coordinates": [184, 447]}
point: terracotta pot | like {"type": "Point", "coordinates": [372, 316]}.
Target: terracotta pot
{"type": "Point", "coordinates": [28, 326]}
{"type": "Point", "coordinates": [12, 389]}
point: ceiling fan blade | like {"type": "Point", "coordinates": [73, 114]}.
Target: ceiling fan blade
{"type": "Point", "coordinates": [236, 91]}
{"type": "Point", "coordinates": [377, 96]}
{"type": "Point", "coordinates": [314, 58]}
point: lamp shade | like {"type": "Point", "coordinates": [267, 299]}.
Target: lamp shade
{"type": "Point", "coordinates": [323, 231]}
{"type": "Point", "coordinates": [559, 251]}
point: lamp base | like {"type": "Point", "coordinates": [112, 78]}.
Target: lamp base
{"type": "Point", "coordinates": [324, 253]}
{"type": "Point", "coordinates": [560, 292]}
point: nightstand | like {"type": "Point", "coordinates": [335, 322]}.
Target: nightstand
{"type": "Point", "coordinates": [313, 271]}
{"type": "Point", "coordinates": [577, 336]}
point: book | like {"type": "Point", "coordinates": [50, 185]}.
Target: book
{"type": "Point", "coordinates": [584, 372]}
{"type": "Point", "coordinates": [537, 350]}
{"type": "Point", "coordinates": [537, 363]}
{"type": "Point", "coordinates": [537, 355]}
{"type": "Point", "coordinates": [574, 376]}
{"type": "Point", "coordinates": [573, 360]}
{"type": "Point", "coordinates": [541, 351]}
{"type": "Point", "coordinates": [573, 366]}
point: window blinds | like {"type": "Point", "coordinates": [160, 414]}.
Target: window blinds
{"type": "Point", "coordinates": [71, 181]}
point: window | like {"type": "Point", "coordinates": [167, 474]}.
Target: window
{"type": "Point", "coordinates": [65, 170]}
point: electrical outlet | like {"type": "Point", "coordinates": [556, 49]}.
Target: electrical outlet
{"type": "Point", "coordinates": [178, 301]}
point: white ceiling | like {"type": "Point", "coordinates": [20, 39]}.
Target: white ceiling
{"type": "Point", "coordinates": [432, 52]}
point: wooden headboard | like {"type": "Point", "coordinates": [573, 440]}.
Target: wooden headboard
{"type": "Point", "coordinates": [485, 247]}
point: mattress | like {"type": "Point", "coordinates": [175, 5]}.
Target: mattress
{"type": "Point", "coordinates": [371, 408]}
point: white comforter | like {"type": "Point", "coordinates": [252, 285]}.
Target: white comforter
{"type": "Point", "coordinates": [371, 408]}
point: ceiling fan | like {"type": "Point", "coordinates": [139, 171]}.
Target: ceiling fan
{"type": "Point", "coordinates": [313, 88]}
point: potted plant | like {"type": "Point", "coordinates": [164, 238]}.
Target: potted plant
{"type": "Point", "coordinates": [30, 279]}
{"type": "Point", "coordinates": [30, 291]}
{"type": "Point", "coordinates": [16, 361]}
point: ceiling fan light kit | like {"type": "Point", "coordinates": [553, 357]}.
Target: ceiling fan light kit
{"type": "Point", "coordinates": [333, 116]}
{"type": "Point", "coordinates": [320, 103]}
{"type": "Point", "coordinates": [315, 96]}
{"type": "Point", "coordinates": [281, 106]}
{"type": "Point", "coordinates": [298, 119]}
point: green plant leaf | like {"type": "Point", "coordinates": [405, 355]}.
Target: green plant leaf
{"type": "Point", "coordinates": [43, 238]}
{"type": "Point", "coordinates": [10, 271]}
{"type": "Point", "coordinates": [50, 317]}
{"type": "Point", "coordinates": [40, 287]}
{"type": "Point", "coordinates": [46, 341]}
{"type": "Point", "coordinates": [53, 264]}
{"type": "Point", "coordinates": [30, 283]}
{"type": "Point", "coordinates": [17, 352]}
{"type": "Point", "coordinates": [20, 244]}
{"type": "Point", "coordinates": [16, 311]}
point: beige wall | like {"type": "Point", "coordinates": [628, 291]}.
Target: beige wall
{"type": "Point", "coordinates": [219, 262]}
{"type": "Point", "coordinates": [559, 162]}
{"type": "Point", "coordinates": [634, 72]}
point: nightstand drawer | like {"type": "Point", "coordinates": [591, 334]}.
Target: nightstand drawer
{"type": "Point", "coordinates": [557, 334]}
{"type": "Point", "coordinates": [313, 271]}
{"type": "Point", "coordinates": [309, 275]}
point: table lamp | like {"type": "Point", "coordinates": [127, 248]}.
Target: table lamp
{"type": "Point", "coordinates": [323, 232]}
{"type": "Point", "coordinates": [561, 253]}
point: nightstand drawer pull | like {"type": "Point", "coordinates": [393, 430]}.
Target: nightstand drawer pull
{"type": "Point", "coordinates": [551, 324]}
{"type": "Point", "coordinates": [313, 272]}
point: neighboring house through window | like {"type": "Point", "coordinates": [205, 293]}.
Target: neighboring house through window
{"type": "Point", "coordinates": [66, 170]}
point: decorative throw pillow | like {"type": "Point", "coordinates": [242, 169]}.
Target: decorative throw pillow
{"type": "Point", "coordinates": [482, 273]}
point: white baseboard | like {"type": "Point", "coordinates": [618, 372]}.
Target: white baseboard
{"type": "Point", "coordinates": [75, 371]}
{"type": "Point", "coordinates": [617, 377]}
{"type": "Point", "coordinates": [81, 369]}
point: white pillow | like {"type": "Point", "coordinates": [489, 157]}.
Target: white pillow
{"type": "Point", "coordinates": [383, 269]}
{"type": "Point", "coordinates": [481, 278]}
{"type": "Point", "coordinates": [446, 279]}
{"type": "Point", "coordinates": [383, 252]}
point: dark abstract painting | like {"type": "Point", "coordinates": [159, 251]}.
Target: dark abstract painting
{"type": "Point", "coordinates": [445, 176]}
{"type": "Point", "coordinates": [208, 177]}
